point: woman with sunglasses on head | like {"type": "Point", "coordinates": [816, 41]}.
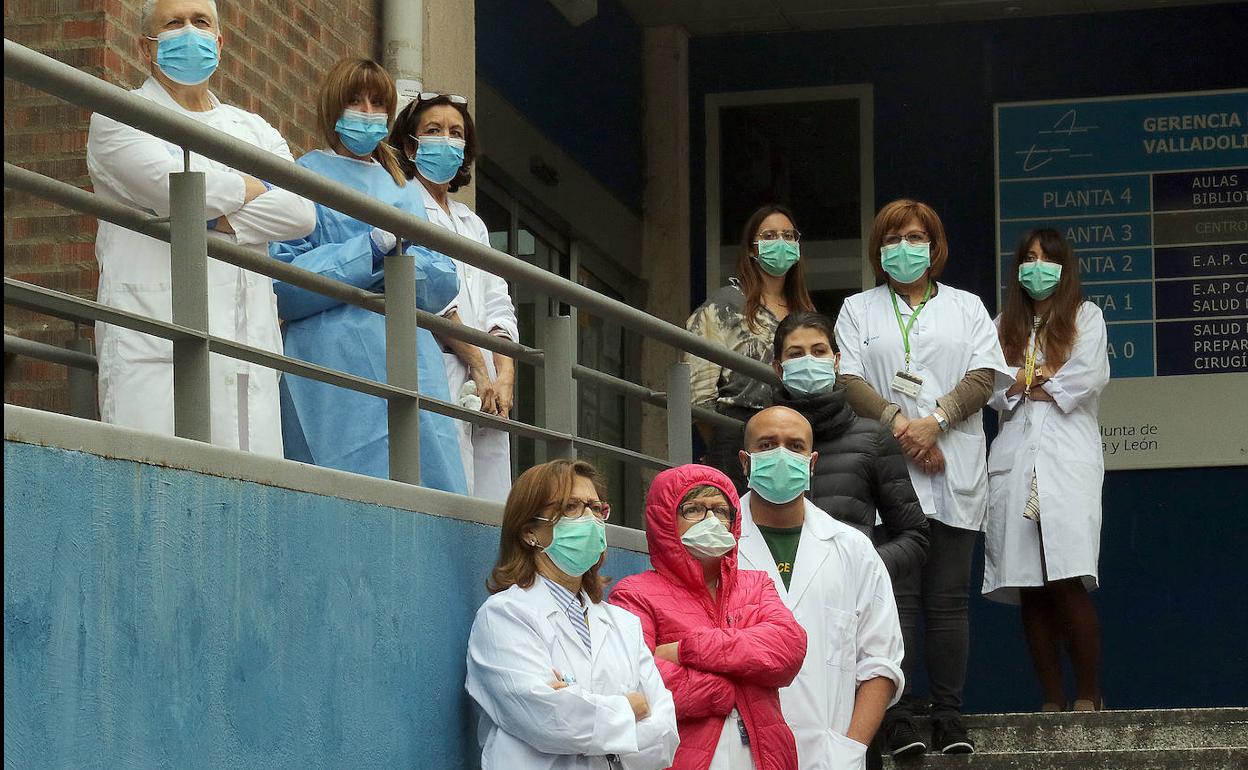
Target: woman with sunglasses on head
{"type": "Point", "coordinates": [1046, 466]}
{"type": "Point", "coordinates": [437, 139]}
{"type": "Point", "coordinates": [724, 641]}
{"type": "Point", "coordinates": [564, 681]}
{"type": "Point", "coordinates": [742, 317]}
{"type": "Point", "coordinates": [921, 357]}
{"type": "Point", "coordinates": [322, 423]}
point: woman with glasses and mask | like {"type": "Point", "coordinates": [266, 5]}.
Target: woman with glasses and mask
{"type": "Point", "coordinates": [742, 317]}
{"type": "Point", "coordinates": [322, 423]}
{"type": "Point", "coordinates": [437, 139]}
{"type": "Point", "coordinates": [861, 467]}
{"type": "Point", "coordinates": [1046, 466]}
{"type": "Point", "coordinates": [724, 641]}
{"type": "Point", "coordinates": [564, 681]}
{"type": "Point", "coordinates": [921, 357]}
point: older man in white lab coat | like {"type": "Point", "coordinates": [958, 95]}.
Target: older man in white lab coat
{"type": "Point", "coordinates": [830, 576]}
{"type": "Point", "coordinates": [180, 42]}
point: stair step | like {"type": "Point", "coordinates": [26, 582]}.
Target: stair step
{"type": "Point", "coordinates": [1208, 758]}
{"type": "Point", "coordinates": [1106, 730]}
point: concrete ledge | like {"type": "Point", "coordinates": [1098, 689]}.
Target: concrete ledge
{"type": "Point", "coordinates": [1221, 758]}
{"type": "Point", "coordinates": [32, 426]}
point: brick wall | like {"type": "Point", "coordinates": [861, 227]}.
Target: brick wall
{"type": "Point", "coordinates": [272, 60]}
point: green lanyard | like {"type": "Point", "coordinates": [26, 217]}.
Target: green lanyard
{"type": "Point", "coordinates": [905, 327]}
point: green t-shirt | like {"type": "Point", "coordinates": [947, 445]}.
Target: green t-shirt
{"type": "Point", "coordinates": [782, 542]}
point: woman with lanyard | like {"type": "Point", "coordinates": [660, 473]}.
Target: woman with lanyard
{"type": "Point", "coordinates": [742, 317]}
{"type": "Point", "coordinates": [921, 357]}
{"type": "Point", "coordinates": [564, 681]}
{"type": "Point", "coordinates": [1046, 466]}
{"type": "Point", "coordinates": [438, 142]}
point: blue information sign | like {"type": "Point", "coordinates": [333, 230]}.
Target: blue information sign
{"type": "Point", "coordinates": [1152, 193]}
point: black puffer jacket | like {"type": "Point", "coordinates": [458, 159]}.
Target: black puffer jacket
{"type": "Point", "coordinates": [861, 468]}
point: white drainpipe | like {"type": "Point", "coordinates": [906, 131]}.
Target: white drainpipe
{"type": "Point", "coordinates": [402, 35]}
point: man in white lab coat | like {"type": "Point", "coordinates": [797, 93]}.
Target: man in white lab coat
{"type": "Point", "coordinates": [180, 42]}
{"type": "Point", "coordinates": [830, 576]}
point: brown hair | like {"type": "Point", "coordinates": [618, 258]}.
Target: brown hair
{"type": "Point", "coordinates": [544, 487]}
{"type": "Point", "coordinates": [350, 78]}
{"type": "Point", "coordinates": [408, 123]}
{"type": "Point", "coordinates": [1058, 325]}
{"type": "Point", "coordinates": [804, 319]}
{"type": "Point", "coordinates": [891, 218]}
{"type": "Point", "coordinates": [751, 275]}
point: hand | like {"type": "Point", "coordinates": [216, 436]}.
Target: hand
{"type": "Point", "coordinates": [669, 652]}
{"type": "Point", "coordinates": [252, 188]}
{"type": "Point", "coordinates": [223, 226]}
{"type": "Point", "coordinates": [383, 242]}
{"type": "Point", "coordinates": [900, 423]}
{"type": "Point", "coordinates": [933, 460]}
{"type": "Point", "coordinates": [485, 389]}
{"type": "Point", "coordinates": [919, 436]}
{"type": "Point", "coordinates": [504, 393]}
{"type": "Point", "coordinates": [1038, 393]}
{"type": "Point", "coordinates": [641, 706]}
{"type": "Point", "coordinates": [558, 684]}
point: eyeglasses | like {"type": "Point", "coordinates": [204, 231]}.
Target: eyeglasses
{"type": "Point", "coordinates": [699, 511]}
{"type": "Point", "coordinates": [428, 96]}
{"type": "Point", "coordinates": [780, 235]}
{"type": "Point", "coordinates": [575, 508]}
{"type": "Point", "coordinates": [914, 239]}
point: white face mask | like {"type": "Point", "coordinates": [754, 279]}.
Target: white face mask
{"type": "Point", "coordinates": [708, 539]}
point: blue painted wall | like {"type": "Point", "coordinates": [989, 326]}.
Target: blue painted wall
{"type": "Point", "coordinates": [581, 86]}
{"type": "Point", "coordinates": [163, 618]}
{"type": "Point", "coordinates": [1173, 615]}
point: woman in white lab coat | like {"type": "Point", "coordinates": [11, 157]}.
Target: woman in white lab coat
{"type": "Point", "coordinates": [437, 140]}
{"type": "Point", "coordinates": [564, 680]}
{"type": "Point", "coordinates": [921, 357]}
{"type": "Point", "coordinates": [1046, 466]}
{"type": "Point", "coordinates": [133, 167]}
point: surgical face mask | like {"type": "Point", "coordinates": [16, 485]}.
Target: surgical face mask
{"type": "Point", "coordinates": [361, 132]}
{"type": "Point", "coordinates": [1039, 279]}
{"type": "Point", "coordinates": [708, 539]}
{"type": "Point", "coordinates": [776, 257]}
{"type": "Point", "coordinates": [779, 475]}
{"type": "Point", "coordinates": [439, 158]}
{"type": "Point", "coordinates": [187, 55]}
{"type": "Point", "coordinates": [808, 375]}
{"type": "Point", "coordinates": [577, 544]}
{"type": "Point", "coordinates": [906, 262]}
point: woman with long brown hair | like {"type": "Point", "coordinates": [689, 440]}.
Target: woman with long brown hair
{"type": "Point", "coordinates": [321, 423]}
{"type": "Point", "coordinates": [921, 357]}
{"type": "Point", "coordinates": [1046, 466]}
{"type": "Point", "coordinates": [742, 316]}
{"type": "Point", "coordinates": [564, 680]}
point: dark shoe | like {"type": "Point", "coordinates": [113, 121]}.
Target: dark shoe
{"type": "Point", "coordinates": [949, 736]}
{"type": "Point", "coordinates": [901, 738]}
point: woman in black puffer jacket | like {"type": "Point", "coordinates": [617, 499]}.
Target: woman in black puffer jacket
{"type": "Point", "coordinates": [861, 467]}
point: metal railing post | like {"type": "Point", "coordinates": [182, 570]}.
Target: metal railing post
{"type": "Point", "coordinates": [679, 415]}
{"type": "Point", "coordinates": [559, 391]}
{"type": "Point", "coordinates": [82, 401]}
{"type": "Point", "coordinates": [188, 274]}
{"type": "Point", "coordinates": [403, 413]}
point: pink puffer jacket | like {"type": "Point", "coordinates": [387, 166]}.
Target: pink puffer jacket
{"type": "Point", "coordinates": [737, 650]}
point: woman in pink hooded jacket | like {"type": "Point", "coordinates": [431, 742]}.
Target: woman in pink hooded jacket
{"type": "Point", "coordinates": [724, 642]}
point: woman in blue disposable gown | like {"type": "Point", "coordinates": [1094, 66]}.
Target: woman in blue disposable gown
{"type": "Point", "coordinates": [322, 423]}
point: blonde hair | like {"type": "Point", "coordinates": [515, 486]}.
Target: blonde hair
{"type": "Point", "coordinates": [348, 79]}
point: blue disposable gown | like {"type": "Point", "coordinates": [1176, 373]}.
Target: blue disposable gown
{"type": "Point", "coordinates": [339, 428]}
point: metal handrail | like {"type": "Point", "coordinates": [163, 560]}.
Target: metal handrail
{"type": "Point", "coordinates": [67, 83]}
{"type": "Point", "coordinates": [42, 351]}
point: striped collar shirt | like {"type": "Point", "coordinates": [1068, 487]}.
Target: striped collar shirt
{"type": "Point", "coordinates": [571, 605]}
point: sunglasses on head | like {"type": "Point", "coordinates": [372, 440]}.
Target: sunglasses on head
{"type": "Point", "coordinates": [428, 96]}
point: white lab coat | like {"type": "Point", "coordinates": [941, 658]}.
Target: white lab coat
{"type": "Point", "coordinates": [484, 303]}
{"type": "Point", "coordinates": [952, 336]}
{"type": "Point", "coordinates": [841, 594]}
{"type": "Point", "coordinates": [136, 372]}
{"type": "Point", "coordinates": [520, 636]}
{"type": "Point", "coordinates": [1061, 442]}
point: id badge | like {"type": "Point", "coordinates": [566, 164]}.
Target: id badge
{"type": "Point", "coordinates": [907, 384]}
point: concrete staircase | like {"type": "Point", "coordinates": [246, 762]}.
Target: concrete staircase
{"type": "Point", "coordinates": [1183, 739]}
